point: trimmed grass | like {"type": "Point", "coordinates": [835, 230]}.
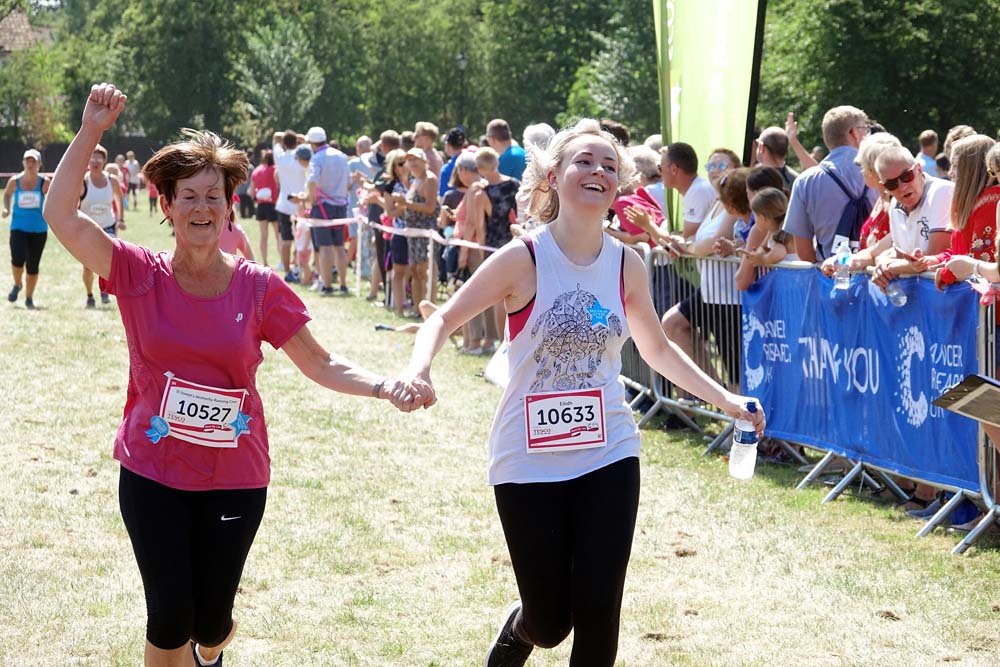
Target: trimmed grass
{"type": "Point", "coordinates": [381, 546]}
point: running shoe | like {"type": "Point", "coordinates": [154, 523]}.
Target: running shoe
{"type": "Point", "coordinates": [927, 512]}
{"type": "Point", "coordinates": [326, 291]}
{"type": "Point", "coordinates": [345, 290]}
{"type": "Point", "coordinates": [12, 296]}
{"type": "Point", "coordinates": [90, 301]}
{"type": "Point", "coordinates": [384, 327]}
{"type": "Point", "coordinates": [507, 650]}
{"type": "Point", "coordinates": [29, 303]}
{"type": "Point", "coordinates": [105, 298]}
{"type": "Point", "coordinates": [291, 279]}
{"type": "Point", "coordinates": [199, 662]}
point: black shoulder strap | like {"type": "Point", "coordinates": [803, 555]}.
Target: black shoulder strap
{"type": "Point", "coordinates": [840, 183]}
{"type": "Point", "coordinates": [530, 245]}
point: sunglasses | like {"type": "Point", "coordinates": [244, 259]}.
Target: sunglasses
{"type": "Point", "coordinates": [716, 166]}
{"type": "Point", "coordinates": [905, 177]}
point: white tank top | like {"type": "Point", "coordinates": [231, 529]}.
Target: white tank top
{"type": "Point", "coordinates": [571, 341]}
{"type": "Point", "coordinates": [98, 202]}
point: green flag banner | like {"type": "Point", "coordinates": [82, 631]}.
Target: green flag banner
{"type": "Point", "coordinates": [708, 59]}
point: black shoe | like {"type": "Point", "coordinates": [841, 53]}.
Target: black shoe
{"type": "Point", "coordinates": [90, 301]}
{"type": "Point", "coordinates": [384, 327]}
{"type": "Point", "coordinates": [29, 303]}
{"type": "Point", "coordinates": [105, 298]}
{"type": "Point", "coordinates": [12, 296]}
{"type": "Point", "coordinates": [507, 649]}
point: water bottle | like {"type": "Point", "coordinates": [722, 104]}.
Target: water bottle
{"type": "Point", "coordinates": [897, 296]}
{"type": "Point", "coordinates": [842, 278]}
{"type": "Point", "coordinates": [743, 455]}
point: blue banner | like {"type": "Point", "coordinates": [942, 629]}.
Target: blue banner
{"type": "Point", "coordinates": [853, 374]}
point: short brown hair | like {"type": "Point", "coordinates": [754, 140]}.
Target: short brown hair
{"type": "Point", "coordinates": [406, 140]}
{"type": "Point", "coordinates": [290, 139]}
{"type": "Point", "coordinates": [928, 138]}
{"type": "Point", "coordinates": [197, 152]}
{"type": "Point", "coordinates": [426, 129]}
{"type": "Point", "coordinates": [499, 129]}
{"type": "Point", "coordinates": [838, 123]}
{"type": "Point", "coordinates": [390, 138]}
{"type": "Point", "coordinates": [733, 190]}
{"type": "Point", "coordinates": [102, 150]}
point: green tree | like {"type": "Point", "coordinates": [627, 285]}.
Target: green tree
{"type": "Point", "coordinates": [911, 64]}
{"type": "Point", "coordinates": [31, 95]}
{"type": "Point", "coordinates": [278, 80]}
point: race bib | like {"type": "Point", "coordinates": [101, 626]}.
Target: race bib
{"type": "Point", "coordinates": [199, 414]}
{"type": "Point", "coordinates": [564, 421]}
{"type": "Point", "coordinates": [99, 210]}
{"type": "Point", "coordinates": [264, 195]}
{"type": "Point", "coordinates": [29, 199]}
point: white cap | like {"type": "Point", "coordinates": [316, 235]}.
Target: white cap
{"type": "Point", "coordinates": [316, 135]}
{"type": "Point", "coordinates": [417, 153]}
{"type": "Point", "coordinates": [31, 152]}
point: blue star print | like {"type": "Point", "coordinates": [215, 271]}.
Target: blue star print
{"type": "Point", "coordinates": [598, 315]}
{"type": "Point", "coordinates": [241, 424]}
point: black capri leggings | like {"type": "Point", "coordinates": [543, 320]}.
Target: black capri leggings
{"type": "Point", "coordinates": [570, 543]}
{"type": "Point", "coordinates": [190, 547]}
{"type": "Point", "coordinates": [26, 249]}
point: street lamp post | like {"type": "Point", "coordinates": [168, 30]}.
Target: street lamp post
{"type": "Point", "coordinates": [461, 61]}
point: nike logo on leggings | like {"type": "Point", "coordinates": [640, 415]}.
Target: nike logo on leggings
{"type": "Point", "coordinates": [230, 518]}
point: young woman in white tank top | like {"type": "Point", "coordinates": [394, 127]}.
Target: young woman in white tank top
{"type": "Point", "coordinates": [564, 446]}
{"type": "Point", "coordinates": [100, 196]}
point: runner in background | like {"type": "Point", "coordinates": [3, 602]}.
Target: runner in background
{"type": "Point", "coordinates": [28, 231]}
{"type": "Point", "coordinates": [264, 190]}
{"type": "Point", "coordinates": [564, 445]}
{"type": "Point", "coordinates": [192, 444]}
{"type": "Point", "coordinates": [100, 196]}
{"type": "Point", "coordinates": [134, 168]}
{"type": "Point", "coordinates": [291, 179]}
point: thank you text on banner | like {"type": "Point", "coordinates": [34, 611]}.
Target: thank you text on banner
{"type": "Point", "coordinates": [853, 374]}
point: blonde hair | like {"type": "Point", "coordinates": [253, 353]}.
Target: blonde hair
{"type": "Point", "coordinates": [871, 147]}
{"type": "Point", "coordinates": [424, 128]}
{"type": "Point", "coordinates": [543, 201]}
{"type": "Point", "coordinates": [838, 123]}
{"type": "Point", "coordinates": [968, 159]}
{"type": "Point", "coordinates": [487, 159]}
{"type": "Point", "coordinates": [954, 134]}
{"type": "Point", "coordinates": [394, 159]}
{"type": "Point", "coordinates": [199, 151]}
{"type": "Point", "coordinates": [647, 161]}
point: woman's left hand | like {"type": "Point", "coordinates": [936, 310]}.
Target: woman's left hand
{"type": "Point", "coordinates": [104, 104]}
{"type": "Point", "coordinates": [962, 266]}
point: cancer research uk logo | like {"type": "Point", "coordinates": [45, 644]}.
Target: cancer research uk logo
{"type": "Point", "coordinates": [946, 361]}
{"type": "Point", "coordinates": [762, 341]}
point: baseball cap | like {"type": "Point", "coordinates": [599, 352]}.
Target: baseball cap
{"type": "Point", "coordinates": [31, 152]}
{"type": "Point", "coordinates": [316, 135]}
{"type": "Point", "coordinates": [303, 152]}
{"type": "Point", "coordinates": [417, 153]}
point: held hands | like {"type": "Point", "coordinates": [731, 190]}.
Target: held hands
{"type": "Point", "coordinates": [411, 394]}
{"type": "Point", "coordinates": [104, 104]}
{"type": "Point", "coordinates": [736, 407]}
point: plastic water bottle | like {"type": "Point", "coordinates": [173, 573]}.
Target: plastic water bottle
{"type": "Point", "coordinates": [897, 296]}
{"type": "Point", "coordinates": [743, 455]}
{"type": "Point", "coordinates": [842, 278]}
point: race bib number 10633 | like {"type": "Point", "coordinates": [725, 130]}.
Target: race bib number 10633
{"type": "Point", "coordinates": [564, 421]}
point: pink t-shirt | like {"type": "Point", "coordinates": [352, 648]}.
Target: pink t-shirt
{"type": "Point", "coordinates": [264, 184]}
{"type": "Point", "coordinates": [236, 239]}
{"type": "Point", "coordinates": [213, 341]}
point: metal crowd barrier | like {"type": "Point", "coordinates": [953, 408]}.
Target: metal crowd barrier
{"type": "Point", "coordinates": [674, 280]}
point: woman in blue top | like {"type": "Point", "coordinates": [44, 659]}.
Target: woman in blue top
{"type": "Point", "coordinates": [28, 231]}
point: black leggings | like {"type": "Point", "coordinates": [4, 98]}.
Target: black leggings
{"type": "Point", "coordinates": [570, 543]}
{"type": "Point", "coordinates": [26, 249]}
{"type": "Point", "coordinates": [190, 547]}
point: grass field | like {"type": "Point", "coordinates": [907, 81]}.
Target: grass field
{"type": "Point", "coordinates": [381, 545]}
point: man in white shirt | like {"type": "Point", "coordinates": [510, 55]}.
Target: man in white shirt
{"type": "Point", "coordinates": [291, 178]}
{"type": "Point", "coordinates": [918, 219]}
{"type": "Point", "coordinates": [679, 168]}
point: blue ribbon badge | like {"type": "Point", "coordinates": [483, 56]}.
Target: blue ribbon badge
{"type": "Point", "coordinates": [160, 429]}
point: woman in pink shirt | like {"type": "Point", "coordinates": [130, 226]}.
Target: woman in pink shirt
{"type": "Point", "coordinates": [192, 443]}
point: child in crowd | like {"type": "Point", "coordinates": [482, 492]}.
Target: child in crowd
{"type": "Point", "coordinates": [769, 206]}
{"type": "Point", "coordinates": [154, 198]}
